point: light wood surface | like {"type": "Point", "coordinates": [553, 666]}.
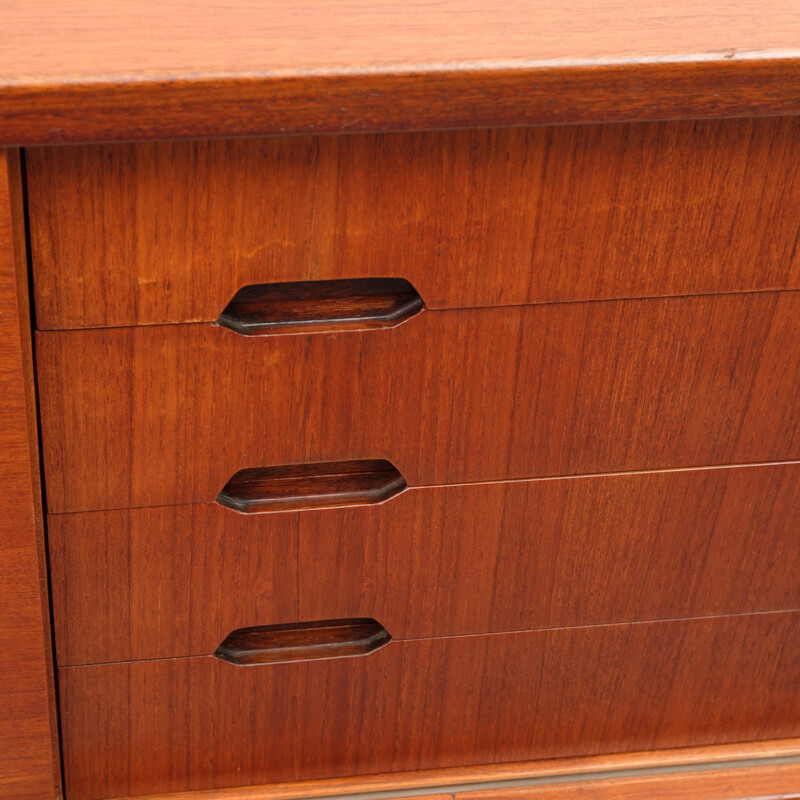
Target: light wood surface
{"type": "Point", "coordinates": [169, 232]}
{"type": "Point", "coordinates": [179, 724]}
{"type": "Point", "coordinates": [160, 415]}
{"type": "Point", "coordinates": [176, 580]}
{"type": "Point", "coordinates": [28, 747]}
{"type": "Point", "coordinates": [83, 70]}
{"type": "Point", "coordinates": [244, 37]}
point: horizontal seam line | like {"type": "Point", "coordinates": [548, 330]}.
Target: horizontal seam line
{"type": "Point", "coordinates": [428, 309]}
{"type": "Point", "coordinates": [466, 636]}
{"type": "Point", "coordinates": [413, 488]}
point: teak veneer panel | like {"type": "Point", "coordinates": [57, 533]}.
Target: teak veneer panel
{"type": "Point", "coordinates": [162, 415]}
{"type": "Point", "coordinates": [82, 70]}
{"type": "Point", "coordinates": [179, 724]}
{"type": "Point", "coordinates": [174, 581]}
{"type": "Point", "coordinates": [167, 232]}
{"type": "Point", "coordinates": [29, 768]}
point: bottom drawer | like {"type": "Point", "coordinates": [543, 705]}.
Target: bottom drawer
{"type": "Point", "coordinates": [193, 723]}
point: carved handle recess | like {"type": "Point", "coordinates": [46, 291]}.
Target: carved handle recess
{"type": "Point", "coordinates": [308, 305]}
{"type": "Point", "coordinates": [334, 638]}
{"type": "Point", "coordinates": [336, 483]}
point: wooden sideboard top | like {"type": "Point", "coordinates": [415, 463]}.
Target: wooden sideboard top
{"type": "Point", "coordinates": [86, 70]}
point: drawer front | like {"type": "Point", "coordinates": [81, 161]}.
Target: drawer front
{"type": "Point", "coordinates": [168, 232]}
{"type": "Point", "coordinates": [162, 415]}
{"type": "Point", "coordinates": [178, 724]}
{"type": "Point", "coordinates": [174, 581]}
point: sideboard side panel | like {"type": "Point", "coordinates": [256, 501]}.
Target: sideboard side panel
{"type": "Point", "coordinates": [28, 735]}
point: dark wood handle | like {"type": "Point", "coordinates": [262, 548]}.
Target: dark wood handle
{"type": "Point", "coordinates": [336, 483]}
{"type": "Point", "coordinates": [333, 638]}
{"type": "Point", "coordinates": [307, 305]}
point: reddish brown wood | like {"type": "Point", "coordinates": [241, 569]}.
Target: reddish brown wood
{"type": "Point", "coordinates": [162, 415]}
{"type": "Point", "coordinates": [168, 415]}
{"type": "Point", "coordinates": [29, 767]}
{"type": "Point", "coordinates": [193, 723]}
{"type": "Point", "coordinates": [173, 581]}
{"type": "Point", "coordinates": [169, 232]}
{"type": "Point", "coordinates": [302, 641]}
{"type": "Point", "coordinates": [755, 783]}
{"type": "Point", "coordinates": [704, 782]}
{"type": "Point", "coordinates": [761, 756]}
{"type": "Point", "coordinates": [311, 485]}
{"type": "Point", "coordinates": [330, 305]}
{"type": "Point", "coordinates": [80, 70]}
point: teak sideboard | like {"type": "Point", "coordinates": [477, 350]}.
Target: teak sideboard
{"type": "Point", "coordinates": [400, 399]}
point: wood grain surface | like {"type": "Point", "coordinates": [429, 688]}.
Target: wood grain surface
{"type": "Point", "coordinates": [162, 415]}
{"type": "Point", "coordinates": [169, 232]}
{"type": "Point", "coordinates": [81, 70]}
{"type": "Point", "coordinates": [758, 782]}
{"type": "Point", "coordinates": [774, 752]}
{"type": "Point", "coordinates": [480, 558]}
{"type": "Point", "coordinates": [179, 724]}
{"type": "Point", "coordinates": [29, 768]}
{"type": "Point", "coordinates": [753, 783]}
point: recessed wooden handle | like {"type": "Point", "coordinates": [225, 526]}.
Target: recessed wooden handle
{"type": "Point", "coordinates": [336, 483]}
{"type": "Point", "coordinates": [333, 638]}
{"type": "Point", "coordinates": [312, 305]}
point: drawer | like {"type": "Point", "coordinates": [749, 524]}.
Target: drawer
{"type": "Point", "coordinates": [161, 415]}
{"type": "Point", "coordinates": [478, 558]}
{"type": "Point", "coordinates": [169, 232]}
{"type": "Point", "coordinates": [195, 723]}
